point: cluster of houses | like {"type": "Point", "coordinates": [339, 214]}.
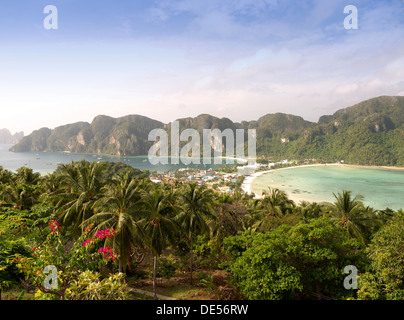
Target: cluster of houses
{"type": "Point", "coordinates": [224, 181]}
{"type": "Point", "coordinates": [198, 176]}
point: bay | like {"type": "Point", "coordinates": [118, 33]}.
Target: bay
{"type": "Point", "coordinates": [46, 162]}
{"type": "Point", "coordinates": [380, 187]}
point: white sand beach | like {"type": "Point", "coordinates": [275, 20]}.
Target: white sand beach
{"type": "Point", "coordinates": [246, 186]}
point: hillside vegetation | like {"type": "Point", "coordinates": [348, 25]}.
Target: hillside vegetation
{"type": "Point", "coordinates": [370, 132]}
{"type": "Point", "coordinates": [104, 227]}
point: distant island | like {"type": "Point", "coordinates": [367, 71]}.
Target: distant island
{"type": "Point", "coordinates": [368, 133]}
{"type": "Point", "coordinates": [7, 138]}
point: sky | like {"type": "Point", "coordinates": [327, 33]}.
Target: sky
{"type": "Point", "coordinates": [170, 59]}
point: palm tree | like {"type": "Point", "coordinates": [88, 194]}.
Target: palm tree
{"type": "Point", "coordinates": [6, 176]}
{"type": "Point", "coordinates": [19, 196]}
{"type": "Point", "coordinates": [353, 216]}
{"type": "Point", "coordinates": [273, 204]}
{"type": "Point", "coordinates": [309, 210]}
{"type": "Point", "coordinates": [223, 197]}
{"type": "Point", "coordinates": [81, 183]}
{"type": "Point", "coordinates": [51, 183]}
{"type": "Point", "coordinates": [20, 190]}
{"type": "Point", "coordinates": [27, 176]}
{"type": "Point", "coordinates": [158, 222]}
{"type": "Point", "coordinates": [117, 209]}
{"type": "Point", "coordinates": [196, 207]}
{"type": "Point", "coordinates": [277, 201]}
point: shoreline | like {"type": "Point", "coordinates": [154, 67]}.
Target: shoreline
{"type": "Point", "coordinates": [246, 185]}
{"type": "Point", "coordinates": [374, 167]}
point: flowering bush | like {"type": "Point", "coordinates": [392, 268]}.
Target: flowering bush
{"type": "Point", "coordinates": [108, 253]}
{"type": "Point", "coordinates": [54, 225]}
{"type": "Point", "coordinates": [87, 254]}
{"type": "Point", "coordinates": [88, 241]}
{"type": "Point", "coordinates": [107, 233]}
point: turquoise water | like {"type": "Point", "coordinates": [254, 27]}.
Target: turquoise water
{"type": "Point", "coordinates": [381, 188]}
{"type": "Point", "coordinates": [45, 162]}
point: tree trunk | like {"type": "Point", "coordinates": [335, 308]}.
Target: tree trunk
{"type": "Point", "coordinates": [154, 277]}
{"type": "Point", "coordinates": [191, 266]}
{"type": "Point", "coordinates": [121, 255]}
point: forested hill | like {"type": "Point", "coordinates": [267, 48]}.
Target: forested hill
{"type": "Point", "coordinates": [370, 132]}
{"type": "Point", "coordinates": [120, 136]}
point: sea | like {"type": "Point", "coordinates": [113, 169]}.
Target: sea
{"type": "Point", "coordinates": [47, 162]}
{"type": "Point", "coordinates": [381, 188]}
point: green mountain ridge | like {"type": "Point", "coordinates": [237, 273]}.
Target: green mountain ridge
{"type": "Point", "coordinates": [370, 133]}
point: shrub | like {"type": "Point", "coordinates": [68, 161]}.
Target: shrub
{"type": "Point", "coordinates": [302, 261]}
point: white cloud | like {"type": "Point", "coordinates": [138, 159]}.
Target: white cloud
{"type": "Point", "coordinates": [239, 59]}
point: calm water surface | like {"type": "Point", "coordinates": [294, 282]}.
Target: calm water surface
{"type": "Point", "coordinates": [45, 162]}
{"type": "Point", "coordinates": [381, 188]}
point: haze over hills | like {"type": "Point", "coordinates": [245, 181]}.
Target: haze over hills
{"type": "Point", "coordinates": [370, 132]}
{"type": "Point", "coordinates": [7, 138]}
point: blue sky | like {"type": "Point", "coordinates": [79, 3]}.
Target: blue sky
{"type": "Point", "coordinates": [239, 59]}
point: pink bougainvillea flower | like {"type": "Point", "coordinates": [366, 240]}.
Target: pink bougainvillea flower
{"type": "Point", "coordinates": [107, 233]}
{"type": "Point", "coordinates": [87, 242]}
{"type": "Point", "coordinates": [108, 253]}
{"type": "Point", "coordinates": [54, 225]}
